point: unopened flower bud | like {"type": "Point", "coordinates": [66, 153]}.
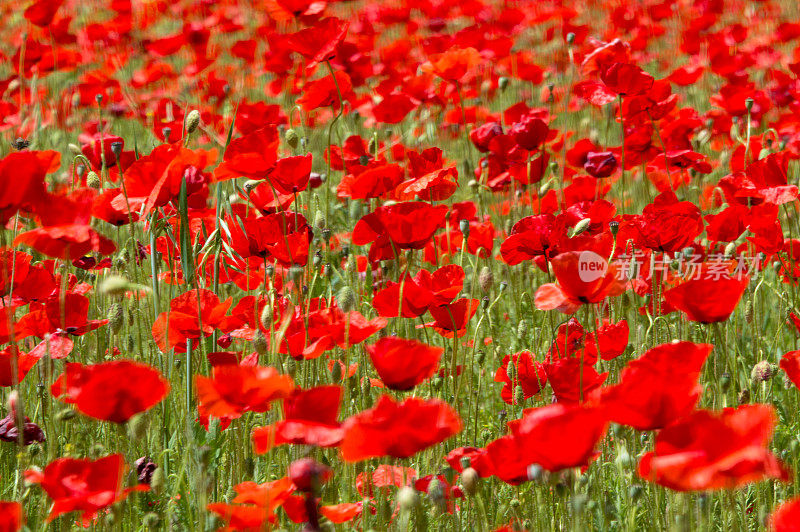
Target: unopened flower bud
{"type": "Point", "coordinates": [292, 139]}
{"type": "Point", "coordinates": [192, 121]}
{"type": "Point", "coordinates": [581, 226]}
{"type": "Point", "coordinates": [407, 498]}
{"type": "Point", "coordinates": [346, 299]}
{"type": "Point", "coordinates": [502, 83]}
{"type": "Point", "coordinates": [485, 279]}
{"type": "Point", "coordinates": [93, 180]}
{"type": "Point", "coordinates": [469, 480]}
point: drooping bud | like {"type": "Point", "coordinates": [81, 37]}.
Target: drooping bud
{"type": "Point", "coordinates": [93, 180]}
{"type": "Point", "coordinates": [292, 139]}
{"type": "Point", "coordinates": [469, 480]}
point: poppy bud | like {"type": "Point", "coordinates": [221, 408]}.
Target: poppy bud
{"type": "Point", "coordinates": [407, 498]}
{"type": "Point", "coordinates": [260, 343]}
{"type": "Point", "coordinates": [346, 299]}
{"type": "Point", "coordinates": [486, 279]}
{"type": "Point", "coordinates": [436, 494]}
{"type": "Point", "coordinates": [266, 316]}
{"type": "Point", "coordinates": [308, 474]}
{"type": "Point", "coordinates": [250, 184]}
{"type": "Point", "coordinates": [151, 520]}
{"type": "Point", "coordinates": [544, 189]}
{"type": "Point", "coordinates": [93, 181]}
{"type": "Point", "coordinates": [744, 396]}
{"type": "Point", "coordinates": [503, 285]}
{"type": "Point", "coordinates": [570, 38]}
{"type": "Point", "coordinates": [354, 210]}
{"type": "Point", "coordinates": [192, 121]}
{"type": "Point", "coordinates": [502, 83]}
{"type": "Point", "coordinates": [473, 184]}
{"type": "Point", "coordinates": [74, 149]}
{"type": "Point", "coordinates": [157, 480]}
{"type": "Point", "coordinates": [291, 367]}
{"type": "Point", "coordinates": [137, 427]}
{"type": "Point", "coordinates": [763, 371]}
{"type": "Point", "coordinates": [463, 225]}
{"type": "Point", "coordinates": [116, 317]}
{"type": "Point", "coordinates": [581, 226]}
{"type": "Point", "coordinates": [729, 249]}
{"type": "Point", "coordinates": [748, 311]}
{"type": "Point", "coordinates": [114, 285]}
{"type": "Point", "coordinates": [469, 480]}
{"type": "Point", "coordinates": [319, 220]}
{"type": "Point", "coordinates": [292, 138]}
{"type": "Point", "coordinates": [336, 372]}
{"type": "Point", "coordinates": [66, 414]}
{"type": "Point", "coordinates": [519, 395]}
{"type": "Point", "coordinates": [522, 330]}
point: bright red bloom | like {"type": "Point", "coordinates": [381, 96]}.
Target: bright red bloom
{"type": "Point", "coordinates": [398, 430]}
{"type": "Point", "coordinates": [453, 318]}
{"type": "Point", "coordinates": [318, 43]}
{"type": "Point", "coordinates": [11, 516]}
{"type": "Point", "coordinates": [627, 79]}
{"type": "Point", "coordinates": [454, 64]}
{"type": "Point", "coordinates": [233, 390]}
{"type": "Point", "coordinates": [111, 391]}
{"type": "Point", "coordinates": [528, 373]}
{"type": "Point", "coordinates": [83, 485]}
{"type": "Point", "coordinates": [402, 364]}
{"type": "Point", "coordinates": [786, 518]}
{"type": "Point", "coordinates": [324, 92]}
{"type": "Point", "coordinates": [22, 185]}
{"type": "Point", "coordinates": [657, 388]}
{"type": "Point", "coordinates": [790, 363]}
{"type": "Point", "coordinates": [253, 155]}
{"type": "Point", "coordinates": [41, 12]}
{"type": "Point", "coordinates": [715, 450]}
{"type": "Point", "coordinates": [24, 361]}
{"type": "Point", "coordinates": [530, 132]}
{"type": "Point", "coordinates": [384, 476]}
{"type": "Point", "coordinates": [554, 437]}
{"type": "Point", "coordinates": [573, 380]}
{"type": "Point", "coordinates": [668, 224]}
{"type": "Point", "coordinates": [577, 286]}
{"type": "Point", "coordinates": [530, 237]}
{"type": "Point", "coordinates": [310, 418]}
{"type": "Point", "coordinates": [419, 292]}
{"type": "Point", "coordinates": [192, 315]}
{"type": "Point", "coordinates": [707, 300]}
{"type": "Point", "coordinates": [408, 225]}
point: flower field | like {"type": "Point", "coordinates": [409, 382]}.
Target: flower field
{"type": "Point", "coordinates": [491, 265]}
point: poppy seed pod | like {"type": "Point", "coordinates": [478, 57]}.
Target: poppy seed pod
{"type": "Point", "coordinates": [502, 83]}
{"type": "Point", "coordinates": [260, 343]}
{"type": "Point", "coordinates": [192, 121]}
{"type": "Point", "coordinates": [166, 132]}
{"type": "Point", "coordinates": [469, 480]}
{"type": "Point", "coordinates": [266, 316]}
{"type": "Point", "coordinates": [463, 225]}
{"type": "Point", "coordinates": [116, 149]}
{"type": "Point", "coordinates": [763, 371]}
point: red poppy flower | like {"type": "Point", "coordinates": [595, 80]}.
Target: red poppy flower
{"type": "Point", "coordinates": [528, 374]}
{"type": "Point", "coordinates": [419, 292]}
{"type": "Point", "coordinates": [318, 43]}
{"type": "Point", "coordinates": [573, 380]}
{"type": "Point", "coordinates": [530, 237]}
{"type": "Point", "coordinates": [626, 79]}
{"type": "Point", "coordinates": [291, 174]}
{"type": "Point", "coordinates": [384, 476]}
{"type": "Point", "coordinates": [83, 485]}
{"type": "Point", "coordinates": [786, 518]}
{"type": "Point", "coordinates": [453, 318]}
{"type": "Point", "coordinates": [454, 64]}
{"type": "Point", "coordinates": [193, 314]}
{"type": "Point", "coordinates": [22, 184]}
{"type": "Point", "coordinates": [11, 356]}
{"type": "Point", "coordinates": [583, 277]}
{"type": "Point", "coordinates": [553, 437]}
{"type": "Point", "coordinates": [707, 300]}
{"type": "Point", "coordinates": [407, 225]}
{"type": "Point", "coordinates": [668, 224]}
{"type": "Point", "coordinates": [111, 391]}
{"type": "Point", "coordinates": [67, 313]}
{"type": "Point", "coordinates": [398, 430]}
{"type": "Point", "coordinates": [530, 132]}
{"type": "Point", "coordinates": [310, 418]}
{"type": "Point", "coordinates": [156, 179]}
{"type": "Point", "coordinates": [610, 340]}
{"type": "Point", "coordinates": [41, 12]}
{"type": "Point", "coordinates": [657, 388]}
{"type": "Point", "coordinates": [374, 180]}
{"type": "Point", "coordinates": [252, 156]}
{"type": "Point", "coordinates": [478, 460]}
{"type": "Point", "coordinates": [790, 363]}
{"type": "Point", "coordinates": [715, 450]}
{"type": "Point", "coordinates": [394, 107]}
{"type": "Point", "coordinates": [11, 516]}
{"type": "Point", "coordinates": [402, 364]}
{"type": "Point", "coordinates": [233, 390]}
{"type": "Point", "coordinates": [324, 92]}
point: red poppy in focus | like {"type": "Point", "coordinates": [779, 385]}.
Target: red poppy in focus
{"type": "Point", "coordinates": [668, 224]}
{"type": "Point", "coordinates": [252, 156]}
{"type": "Point", "coordinates": [22, 181]}
{"type": "Point", "coordinates": [583, 277]}
{"type": "Point", "coordinates": [528, 373]}
{"type": "Point", "coordinates": [402, 364]}
{"type": "Point", "coordinates": [310, 418]}
{"type": "Point", "coordinates": [626, 79]}
{"type": "Point", "coordinates": [715, 450]}
{"type": "Point", "coordinates": [657, 388]}
{"type": "Point", "coordinates": [707, 300]}
{"type": "Point", "coordinates": [553, 437]}
{"type": "Point", "coordinates": [407, 225]}
{"type": "Point", "coordinates": [83, 485]}
{"type": "Point", "coordinates": [398, 430]}
{"type": "Point", "coordinates": [111, 391]}
{"type": "Point", "coordinates": [318, 43]}
{"type": "Point", "coordinates": [325, 92]}
{"type": "Point", "coordinates": [233, 390]}
{"type": "Point", "coordinates": [453, 318]}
